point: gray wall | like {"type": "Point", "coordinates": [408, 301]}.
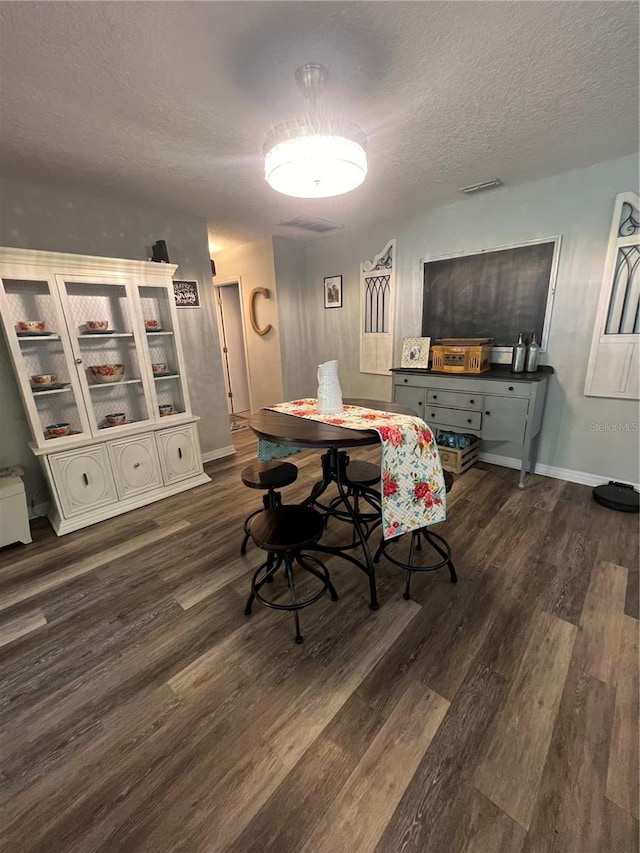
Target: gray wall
{"type": "Point", "coordinates": [37, 217]}
{"type": "Point", "coordinates": [578, 205]}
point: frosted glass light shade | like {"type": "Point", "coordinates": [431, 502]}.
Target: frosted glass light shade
{"type": "Point", "coordinates": [315, 165]}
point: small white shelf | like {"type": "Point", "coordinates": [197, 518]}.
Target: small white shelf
{"type": "Point", "coordinates": [115, 384]}
{"type": "Point", "coordinates": [167, 376]}
{"type": "Point", "coordinates": [51, 391]}
{"type": "Point", "coordinates": [39, 338]}
{"type": "Point", "coordinates": [86, 336]}
{"type": "Point", "coordinates": [155, 334]}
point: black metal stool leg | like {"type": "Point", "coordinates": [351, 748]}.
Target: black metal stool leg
{"type": "Point", "coordinates": [431, 539]}
{"type": "Point", "coordinates": [271, 566]}
{"type": "Point", "coordinates": [288, 561]}
{"type": "Point", "coordinates": [304, 562]}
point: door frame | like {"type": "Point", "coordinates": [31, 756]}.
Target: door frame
{"type": "Point", "coordinates": [224, 283]}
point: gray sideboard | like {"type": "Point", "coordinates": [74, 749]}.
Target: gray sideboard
{"type": "Point", "coordinates": [497, 405]}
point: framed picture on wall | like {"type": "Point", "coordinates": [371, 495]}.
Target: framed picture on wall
{"type": "Point", "coordinates": [186, 294]}
{"type": "Point", "coordinates": [415, 352]}
{"type": "Point", "coordinates": [333, 291]}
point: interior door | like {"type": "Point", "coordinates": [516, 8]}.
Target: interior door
{"type": "Point", "coordinates": [233, 349]}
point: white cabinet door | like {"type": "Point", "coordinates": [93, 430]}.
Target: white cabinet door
{"type": "Point", "coordinates": [179, 450]}
{"type": "Point", "coordinates": [135, 464]}
{"type": "Point", "coordinates": [83, 479]}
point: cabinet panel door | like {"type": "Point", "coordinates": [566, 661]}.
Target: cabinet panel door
{"type": "Point", "coordinates": [504, 418]}
{"type": "Point", "coordinates": [83, 479]}
{"type": "Point", "coordinates": [411, 396]}
{"type": "Point", "coordinates": [179, 453]}
{"type": "Point", "coordinates": [136, 466]}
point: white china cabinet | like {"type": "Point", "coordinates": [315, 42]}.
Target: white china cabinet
{"type": "Point", "coordinates": [128, 442]}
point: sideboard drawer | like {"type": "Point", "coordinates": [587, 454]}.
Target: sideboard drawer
{"type": "Point", "coordinates": [455, 399]}
{"type": "Point", "coordinates": [453, 417]}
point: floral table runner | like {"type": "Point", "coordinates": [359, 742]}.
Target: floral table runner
{"type": "Point", "coordinates": [412, 487]}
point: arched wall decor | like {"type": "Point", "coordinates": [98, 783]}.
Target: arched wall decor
{"type": "Point", "coordinates": [264, 291]}
{"type": "Point", "coordinates": [614, 361]}
{"type": "Point", "coordinates": [377, 311]}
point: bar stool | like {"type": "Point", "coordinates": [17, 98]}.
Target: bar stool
{"type": "Point", "coordinates": [283, 532]}
{"type": "Point", "coordinates": [437, 542]}
{"type": "Point", "coordinates": [270, 476]}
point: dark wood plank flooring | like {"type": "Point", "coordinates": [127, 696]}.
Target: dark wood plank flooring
{"type": "Point", "coordinates": [142, 711]}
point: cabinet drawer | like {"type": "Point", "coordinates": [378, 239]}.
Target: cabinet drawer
{"type": "Point", "coordinates": [453, 417]}
{"type": "Point", "coordinates": [83, 479]}
{"type": "Point", "coordinates": [179, 450]}
{"type": "Point", "coordinates": [136, 466]}
{"type": "Point", "coordinates": [455, 399]}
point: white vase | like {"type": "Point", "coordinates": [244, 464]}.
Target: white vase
{"type": "Point", "coordinates": [329, 391]}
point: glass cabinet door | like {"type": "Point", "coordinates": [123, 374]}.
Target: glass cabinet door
{"type": "Point", "coordinates": [162, 339]}
{"type": "Point", "coordinates": [39, 346]}
{"type": "Point", "coordinates": [107, 341]}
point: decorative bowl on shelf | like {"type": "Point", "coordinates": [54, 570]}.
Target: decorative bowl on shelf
{"type": "Point", "coordinates": [115, 419]}
{"type": "Point", "coordinates": [44, 379]}
{"type": "Point", "coordinates": [104, 373]}
{"type": "Point", "coordinates": [57, 430]}
{"type": "Point", "coordinates": [31, 325]}
{"type": "Point", "coordinates": [97, 325]}
{"type": "Point", "coordinates": [152, 325]}
{"type": "Point", "coordinates": [165, 409]}
{"type": "Point", "coordinates": [160, 367]}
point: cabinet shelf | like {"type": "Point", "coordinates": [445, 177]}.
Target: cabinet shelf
{"type": "Point", "coordinates": [115, 384]}
{"type": "Point", "coordinates": [157, 334]}
{"type": "Point", "coordinates": [39, 338]}
{"type": "Point", "coordinates": [50, 391]}
{"type": "Point", "coordinates": [167, 376]}
{"type": "Point", "coordinates": [85, 336]}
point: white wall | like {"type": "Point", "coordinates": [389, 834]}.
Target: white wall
{"type": "Point", "coordinates": [252, 264]}
{"type": "Point", "coordinates": [578, 205]}
{"type": "Point", "coordinates": [38, 217]}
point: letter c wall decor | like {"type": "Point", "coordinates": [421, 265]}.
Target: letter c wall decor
{"type": "Point", "coordinates": [252, 310]}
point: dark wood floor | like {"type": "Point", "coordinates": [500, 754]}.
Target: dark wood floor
{"type": "Point", "coordinates": [141, 711]}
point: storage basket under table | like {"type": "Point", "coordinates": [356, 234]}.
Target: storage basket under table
{"type": "Point", "coordinates": [458, 460]}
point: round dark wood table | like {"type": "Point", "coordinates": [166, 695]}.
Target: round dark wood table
{"type": "Point", "coordinates": [293, 431]}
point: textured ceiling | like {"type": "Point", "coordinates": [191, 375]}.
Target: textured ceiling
{"type": "Point", "coordinates": [170, 102]}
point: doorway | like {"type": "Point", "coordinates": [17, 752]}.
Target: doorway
{"type": "Point", "coordinates": [233, 347]}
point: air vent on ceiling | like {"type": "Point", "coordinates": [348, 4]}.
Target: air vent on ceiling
{"type": "Point", "coordinates": [483, 185]}
{"type": "Point", "coordinates": [310, 223]}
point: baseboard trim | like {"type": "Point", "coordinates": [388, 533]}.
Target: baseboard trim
{"type": "Point", "coordinates": [582, 477]}
{"type": "Point", "coordinates": [210, 455]}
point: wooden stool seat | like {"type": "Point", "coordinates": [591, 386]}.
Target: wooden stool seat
{"type": "Point", "coordinates": [362, 473]}
{"type": "Point", "coordinates": [286, 528]}
{"type": "Point", "coordinates": [269, 475]}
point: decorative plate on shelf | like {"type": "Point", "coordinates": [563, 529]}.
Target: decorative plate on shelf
{"type": "Point", "coordinates": [151, 331]}
{"type": "Point", "coordinates": [164, 373]}
{"type": "Point", "coordinates": [54, 386]}
{"type": "Point", "coordinates": [99, 332]}
{"type": "Point", "coordinates": [35, 334]}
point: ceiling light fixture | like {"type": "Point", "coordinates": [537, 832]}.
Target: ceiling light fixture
{"type": "Point", "coordinates": [315, 157]}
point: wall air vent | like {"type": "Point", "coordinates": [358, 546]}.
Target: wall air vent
{"type": "Point", "coordinates": [483, 185]}
{"type": "Point", "coordinates": [310, 223]}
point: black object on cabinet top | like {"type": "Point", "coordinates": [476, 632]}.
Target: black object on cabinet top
{"type": "Point", "coordinates": [498, 372]}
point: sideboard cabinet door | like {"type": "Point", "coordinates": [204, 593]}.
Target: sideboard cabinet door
{"type": "Point", "coordinates": [179, 450]}
{"type": "Point", "coordinates": [136, 466]}
{"type": "Point", "coordinates": [83, 479]}
{"type": "Point", "coordinates": [504, 418]}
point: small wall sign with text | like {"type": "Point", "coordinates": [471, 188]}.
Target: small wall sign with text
{"type": "Point", "coordinates": [333, 292]}
{"type": "Point", "coordinates": [415, 352]}
{"type": "Point", "coordinates": [186, 294]}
